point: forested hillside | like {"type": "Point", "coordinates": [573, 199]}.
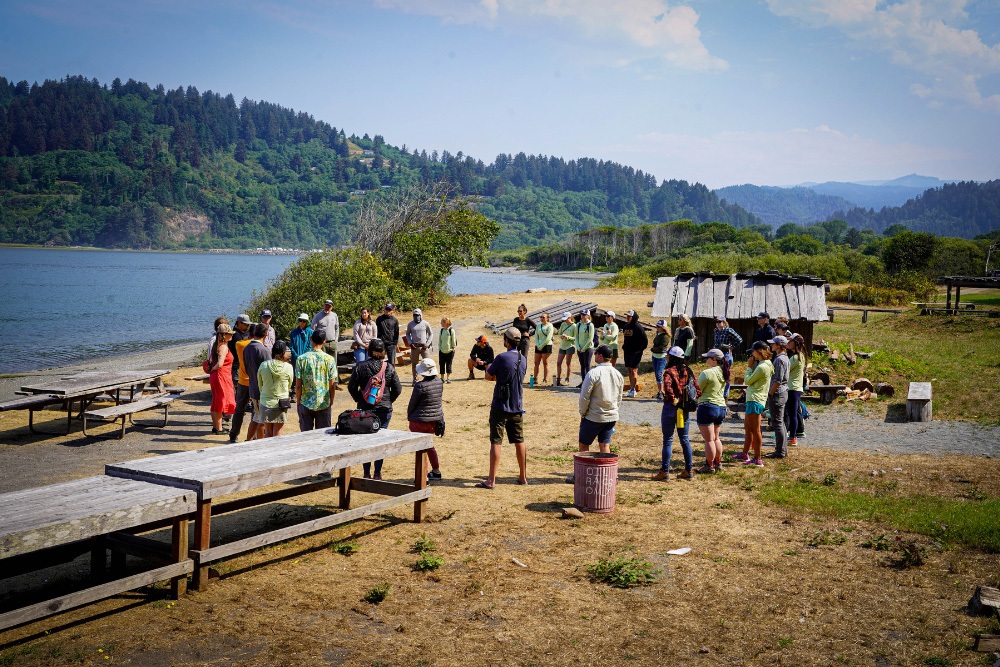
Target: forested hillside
{"type": "Point", "coordinates": [776, 206]}
{"type": "Point", "coordinates": [129, 165]}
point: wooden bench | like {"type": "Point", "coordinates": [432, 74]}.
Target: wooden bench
{"type": "Point", "coordinates": [124, 411]}
{"type": "Point", "coordinates": [39, 521]}
{"type": "Point", "coordinates": [918, 402]}
{"type": "Point", "coordinates": [827, 392]}
{"type": "Point", "coordinates": [32, 403]}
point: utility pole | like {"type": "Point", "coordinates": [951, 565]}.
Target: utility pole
{"type": "Point", "coordinates": [989, 250]}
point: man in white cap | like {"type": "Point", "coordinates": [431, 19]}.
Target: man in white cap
{"type": "Point", "coordinates": [327, 321]}
{"type": "Point", "coordinates": [567, 346]}
{"type": "Point", "coordinates": [269, 337]}
{"type": "Point", "coordinates": [419, 336]}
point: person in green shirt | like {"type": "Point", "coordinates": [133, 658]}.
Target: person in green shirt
{"type": "Point", "coordinates": [757, 380]}
{"type": "Point", "coordinates": [584, 343]}
{"type": "Point", "coordinates": [797, 360]}
{"type": "Point", "coordinates": [447, 342]}
{"type": "Point", "coordinates": [274, 377]}
{"type": "Point", "coordinates": [661, 342]}
{"type": "Point", "coordinates": [712, 408]}
{"type": "Point", "coordinates": [543, 347]}
{"type": "Point", "coordinates": [609, 335]}
{"type": "Point", "coordinates": [567, 345]}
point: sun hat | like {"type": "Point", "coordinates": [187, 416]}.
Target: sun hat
{"type": "Point", "coordinates": [224, 329]}
{"type": "Point", "coordinates": [243, 318]}
{"type": "Point", "coordinates": [303, 316]}
{"type": "Point", "coordinates": [675, 351]}
{"type": "Point", "coordinates": [780, 340]}
{"type": "Point", "coordinates": [661, 323]}
{"type": "Point", "coordinates": [714, 353]}
{"type": "Point", "coordinates": [427, 367]}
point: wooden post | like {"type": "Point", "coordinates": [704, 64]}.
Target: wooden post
{"type": "Point", "coordinates": [918, 402]}
{"type": "Point", "coordinates": [98, 556]}
{"type": "Point", "coordinates": [958, 296]}
{"type": "Point", "coordinates": [202, 541]}
{"type": "Point", "coordinates": [864, 317]}
{"type": "Point", "coordinates": [178, 553]}
{"type": "Point", "coordinates": [419, 481]}
{"type": "Point", "coordinates": [948, 303]}
{"type": "Point", "coordinates": [344, 486]}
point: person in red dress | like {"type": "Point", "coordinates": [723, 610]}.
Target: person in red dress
{"type": "Point", "coordinates": [220, 378]}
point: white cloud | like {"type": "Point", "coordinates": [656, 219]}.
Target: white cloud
{"type": "Point", "coordinates": [777, 158]}
{"type": "Point", "coordinates": [921, 35]}
{"type": "Point", "coordinates": [642, 29]}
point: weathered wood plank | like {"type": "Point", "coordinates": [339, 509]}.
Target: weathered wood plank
{"type": "Point", "coordinates": [380, 487]}
{"type": "Point", "coordinates": [663, 302]}
{"type": "Point", "coordinates": [919, 391]}
{"type": "Point", "coordinates": [257, 541]}
{"type": "Point", "coordinates": [746, 299]}
{"type": "Point", "coordinates": [80, 598]}
{"type": "Point", "coordinates": [94, 382]}
{"type": "Point", "coordinates": [141, 405]}
{"type": "Point", "coordinates": [33, 401]}
{"type": "Point", "coordinates": [720, 290]}
{"type": "Point", "coordinates": [774, 300]}
{"type": "Point", "coordinates": [704, 302]}
{"type": "Point", "coordinates": [759, 298]}
{"type": "Point", "coordinates": [681, 299]}
{"type": "Point", "coordinates": [734, 292]}
{"type": "Point", "coordinates": [57, 514]}
{"type": "Point", "coordinates": [987, 643]}
{"type": "Point", "coordinates": [791, 301]}
{"type": "Point", "coordinates": [919, 402]}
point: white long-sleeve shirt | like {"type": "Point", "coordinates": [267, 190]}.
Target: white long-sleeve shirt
{"type": "Point", "coordinates": [601, 394]}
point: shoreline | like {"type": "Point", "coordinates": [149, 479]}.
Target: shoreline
{"type": "Point", "coordinates": [517, 271]}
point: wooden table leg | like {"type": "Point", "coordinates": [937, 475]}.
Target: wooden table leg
{"type": "Point", "coordinates": [179, 552]}
{"type": "Point", "coordinates": [98, 557]}
{"type": "Point", "coordinates": [344, 486]}
{"type": "Point", "coordinates": [202, 539]}
{"type": "Point", "coordinates": [420, 482]}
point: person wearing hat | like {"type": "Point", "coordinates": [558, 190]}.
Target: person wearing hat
{"type": "Point", "coordinates": [220, 378]}
{"type": "Point", "coordinates": [778, 396]}
{"type": "Point", "coordinates": [418, 335]}
{"type": "Point", "coordinates": [676, 401]}
{"type": "Point", "coordinates": [724, 338]}
{"type": "Point", "coordinates": [634, 341]}
{"type": "Point", "coordinates": [481, 356]}
{"type": "Point", "coordinates": [712, 408]}
{"type": "Point", "coordinates": [298, 340]}
{"type": "Point", "coordinates": [392, 388]}
{"type": "Point", "coordinates": [388, 330]}
{"type": "Point", "coordinates": [585, 343]}
{"type": "Point", "coordinates": [425, 409]}
{"type": "Point", "coordinates": [567, 345]}
{"type": "Point", "coordinates": [241, 331]}
{"type": "Point", "coordinates": [757, 380]}
{"type": "Point", "coordinates": [327, 321]}
{"type": "Point", "coordinates": [797, 359]}
{"type": "Point", "coordinates": [544, 332]}
{"type": "Point", "coordinates": [684, 335]}
{"type": "Point", "coordinates": [609, 335]}
{"type": "Point", "coordinates": [507, 408]}
{"type": "Point", "coordinates": [269, 337]}
{"type": "Point", "coordinates": [600, 399]}
{"type": "Point", "coordinates": [661, 341]}
{"type": "Point", "coordinates": [764, 331]}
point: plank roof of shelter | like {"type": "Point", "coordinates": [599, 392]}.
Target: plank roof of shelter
{"type": "Point", "coordinates": [741, 295]}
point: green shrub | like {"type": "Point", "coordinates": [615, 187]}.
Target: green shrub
{"type": "Point", "coordinates": [378, 594]}
{"type": "Point", "coordinates": [623, 571]}
{"type": "Point", "coordinates": [424, 544]}
{"type": "Point", "coordinates": [346, 548]}
{"type": "Point", "coordinates": [428, 561]}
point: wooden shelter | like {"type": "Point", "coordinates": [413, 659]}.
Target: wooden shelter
{"type": "Point", "coordinates": [704, 295]}
{"type": "Point", "coordinates": [958, 282]}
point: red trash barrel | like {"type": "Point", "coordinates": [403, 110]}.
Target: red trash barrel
{"type": "Point", "coordinates": [595, 481]}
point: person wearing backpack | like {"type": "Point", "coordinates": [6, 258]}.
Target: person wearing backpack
{"type": "Point", "coordinates": [375, 379]}
{"type": "Point", "coordinates": [680, 397]}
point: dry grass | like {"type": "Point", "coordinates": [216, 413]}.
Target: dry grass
{"type": "Point", "coordinates": [751, 592]}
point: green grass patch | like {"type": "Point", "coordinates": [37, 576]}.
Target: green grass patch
{"type": "Point", "coordinates": [623, 571]}
{"type": "Point", "coordinates": [948, 520]}
{"type": "Point", "coordinates": [378, 594]}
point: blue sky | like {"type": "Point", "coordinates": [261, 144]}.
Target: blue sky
{"type": "Point", "coordinates": [771, 92]}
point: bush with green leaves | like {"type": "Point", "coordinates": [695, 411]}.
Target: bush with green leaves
{"type": "Point", "coordinates": [378, 594]}
{"type": "Point", "coordinates": [623, 571]}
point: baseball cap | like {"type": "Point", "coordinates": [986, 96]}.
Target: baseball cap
{"type": "Point", "coordinates": [303, 316]}
{"type": "Point", "coordinates": [758, 345]}
{"type": "Point", "coordinates": [714, 353]}
{"type": "Point", "coordinates": [675, 351]}
{"type": "Point", "coordinates": [610, 313]}
{"type": "Point", "coordinates": [512, 334]}
{"type": "Point", "coordinates": [390, 306]}
{"type": "Point", "coordinates": [661, 323]}
{"type": "Point", "coordinates": [585, 312]}
{"type": "Point", "coordinates": [720, 318]}
{"type": "Point", "coordinates": [567, 315]}
{"type": "Point", "coordinates": [243, 318]}
{"type": "Point", "coordinates": [629, 313]}
{"type": "Point", "coordinates": [481, 339]}
{"type": "Point", "coordinates": [417, 311]}
{"type": "Point", "coordinates": [266, 313]}
{"type": "Point", "coordinates": [764, 315]}
{"type": "Point", "coordinates": [780, 340]}
{"type": "Point", "coordinates": [328, 302]}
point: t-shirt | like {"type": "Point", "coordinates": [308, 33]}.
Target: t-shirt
{"type": "Point", "coordinates": [254, 354]}
{"type": "Point", "coordinates": [543, 334]}
{"type": "Point", "coordinates": [509, 369]}
{"type": "Point", "coordinates": [568, 330]}
{"type": "Point", "coordinates": [712, 384]}
{"type": "Point", "coordinates": [796, 371]}
{"type": "Point", "coordinates": [275, 379]}
{"type": "Point", "coordinates": [780, 377]}
{"type": "Point", "coordinates": [758, 380]}
{"type": "Point", "coordinates": [316, 370]}
{"type": "Point", "coordinates": [609, 335]}
{"type": "Point", "coordinates": [329, 324]}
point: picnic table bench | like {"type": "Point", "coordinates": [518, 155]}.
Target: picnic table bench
{"type": "Point", "coordinates": [124, 411]}
{"type": "Point", "coordinates": [827, 392]}
{"type": "Point", "coordinates": [218, 471]}
{"type": "Point", "coordinates": [39, 525]}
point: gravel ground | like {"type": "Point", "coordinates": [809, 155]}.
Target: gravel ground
{"type": "Point", "coordinates": [834, 427]}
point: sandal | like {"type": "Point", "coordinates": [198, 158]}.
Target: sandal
{"type": "Point", "coordinates": [483, 485]}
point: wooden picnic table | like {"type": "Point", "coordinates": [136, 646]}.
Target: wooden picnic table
{"type": "Point", "coordinates": [83, 388]}
{"type": "Point", "coordinates": [247, 466]}
{"type": "Point", "coordinates": [41, 525]}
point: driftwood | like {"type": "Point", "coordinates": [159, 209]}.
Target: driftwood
{"type": "Point", "coordinates": [885, 389]}
{"type": "Point", "coordinates": [862, 384]}
{"type": "Point", "coordinates": [865, 355]}
{"type": "Point", "coordinates": [850, 357]}
{"type": "Point", "coordinates": [821, 346]}
{"type": "Point", "coordinates": [985, 601]}
{"type": "Point", "coordinates": [834, 355]}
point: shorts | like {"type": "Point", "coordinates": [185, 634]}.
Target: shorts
{"type": "Point", "coordinates": [265, 415]}
{"type": "Point", "coordinates": [479, 363]}
{"type": "Point", "coordinates": [755, 408]}
{"type": "Point", "coordinates": [544, 350]}
{"type": "Point", "coordinates": [571, 350]}
{"type": "Point", "coordinates": [601, 431]}
{"type": "Point", "coordinates": [710, 413]}
{"type": "Point", "coordinates": [511, 422]}
{"type": "Point", "coordinates": [632, 359]}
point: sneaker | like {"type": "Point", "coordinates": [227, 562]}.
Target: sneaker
{"type": "Point", "coordinates": [434, 474]}
{"type": "Point", "coordinates": [571, 479]}
{"type": "Point", "coordinates": [792, 442]}
{"type": "Point", "coordinates": [754, 463]}
{"type": "Point", "coordinates": [662, 476]}
{"type": "Point", "coordinates": [718, 467]}
{"type": "Point", "coordinates": [630, 394]}
{"type": "Point", "coordinates": [472, 376]}
{"type": "Point", "coordinates": [685, 475]}
{"type": "Point", "coordinates": [741, 457]}
{"type": "Point", "coordinates": [705, 470]}
{"type": "Point", "coordinates": [555, 383]}
{"type": "Point", "coordinates": [774, 455]}
{"type": "Point", "coordinates": [659, 396]}
{"type": "Point", "coordinates": [377, 477]}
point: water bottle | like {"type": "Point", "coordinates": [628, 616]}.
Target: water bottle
{"type": "Point", "coordinates": [372, 396]}
{"type": "Point", "coordinates": [531, 381]}
{"type": "Point", "coordinates": [680, 418]}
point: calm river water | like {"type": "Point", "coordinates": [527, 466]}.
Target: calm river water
{"type": "Point", "coordinates": [59, 307]}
